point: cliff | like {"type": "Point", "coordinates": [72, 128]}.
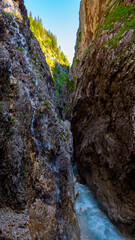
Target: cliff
{"type": "Point", "coordinates": [36, 179]}
{"type": "Point", "coordinates": [103, 106]}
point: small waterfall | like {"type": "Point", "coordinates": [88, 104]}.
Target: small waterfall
{"type": "Point", "coordinates": [34, 101]}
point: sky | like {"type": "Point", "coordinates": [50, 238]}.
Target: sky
{"type": "Point", "coordinates": [61, 17]}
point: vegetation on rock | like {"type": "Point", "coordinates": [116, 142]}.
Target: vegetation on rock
{"type": "Point", "coordinates": [55, 58]}
{"type": "Point", "coordinates": [118, 13]}
{"type": "Point", "coordinates": [48, 43]}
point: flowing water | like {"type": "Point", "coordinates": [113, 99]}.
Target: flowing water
{"type": "Point", "coordinates": [94, 224]}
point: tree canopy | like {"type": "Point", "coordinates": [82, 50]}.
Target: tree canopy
{"type": "Point", "coordinates": [48, 43]}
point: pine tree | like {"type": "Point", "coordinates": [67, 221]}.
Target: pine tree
{"type": "Point", "coordinates": [47, 41]}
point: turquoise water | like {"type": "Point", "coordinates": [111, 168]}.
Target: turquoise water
{"type": "Point", "coordinates": [94, 224]}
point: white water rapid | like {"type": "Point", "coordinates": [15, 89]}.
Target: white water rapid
{"type": "Point", "coordinates": [94, 224]}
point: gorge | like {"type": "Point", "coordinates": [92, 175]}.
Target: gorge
{"type": "Point", "coordinates": [47, 124]}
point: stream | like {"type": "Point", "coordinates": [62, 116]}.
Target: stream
{"type": "Point", "coordinates": [94, 224]}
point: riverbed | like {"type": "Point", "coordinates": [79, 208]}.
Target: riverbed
{"type": "Point", "coordinates": [94, 224]}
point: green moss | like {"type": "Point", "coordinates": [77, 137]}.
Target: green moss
{"type": "Point", "coordinates": [77, 61]}
{"type": "Point", "coordinates": [5, 13]}
{"type": "Point", "coordinates": [109, 134]}
{"type": "Point", "coordinates": [13, 120]}
{"type": "Point", "coordinates": [70, 85]}
{"type": "Point", "coordinates": [60, 76]}
{"type": "Point", "coordinates": [24, 156]}
{"type": "Point", "coordinates": [108, 27]}
{"type": "Point", "coordinates": [68, 133]}
{"type": "Point", "coordinates": [66, 107]}
{"type": "Point", "coordinates": [47, 104]}
{"type": "Point", "coordinates": [131, 63]}
{"type": "Point", "coordinates": [86, 123]}
{"type": "Point", "coordinates": [17, 16]}
{"type": "Point", "coordinates": [114, 60]}
{"type": "Point", "coordinates": [88, 50]}
{"type": "Point", "coordinates": [114, 5]}
{"type": "Point", "coordinates": [24, 173]}
{"type": "Point", "coordinates": [57, 94]}
{"type": "Point", "coordinates": [21, 49]}
{"type": "Point", "coordinates": [130, 44]}
{"type": "Point", "coordinates": [34, 67]}
{"type": "Point", "coordinates": [109, 1]}
{"type": "Point", "coordinates": [113, 42]}
{"type": "Point", "coordinates": [11, 13]}
{"type": "Point", "coordinates": [11, 131]}
{"type": "Point", "coordinates": [97, 29]}
{"type": "Point", "coordinates": [79, 36]}
{"type": "Point", "coordinates": [1, 107]}
{"type": "Point", "coordinates": [62, 137]}
{"type": "Point", "coordinates": [122, 14]}
{"type": "Point", "coordinates": [60, 122]}
{"type": "Point", "coordinates": [41, 77]}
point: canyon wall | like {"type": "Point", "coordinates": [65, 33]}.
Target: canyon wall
{"type": "Point", "coordinates": [36, 179]}
{"type": "Point", "coordinates": [103, 106]}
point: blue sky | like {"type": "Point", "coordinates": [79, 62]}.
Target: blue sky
{"type": "Point", "coordinates": [61, 17]}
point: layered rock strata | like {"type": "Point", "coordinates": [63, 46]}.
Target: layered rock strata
{"type": "Point", "coordinates": [103, 106]}
{"type": "Point", "coordinates": [36, 180]}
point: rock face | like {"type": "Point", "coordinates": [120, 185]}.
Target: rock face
{"type": "Point", "coordinates": [103, 105]}
{"type": "Point", "coordinates": [36, 179]}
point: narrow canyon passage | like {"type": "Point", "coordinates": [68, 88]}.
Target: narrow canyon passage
{"type": "Point", "coordinates": [53, 116]}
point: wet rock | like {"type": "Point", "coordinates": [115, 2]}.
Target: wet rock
{"type": "Point", "coordinates": [4, 238]}
{"type": "Point", "coordinates": [103, 111]}
{"type": "Point", "coordinates": [5, 64]}
{"type": "Point", "coordinates": [76, 193]}
{"type": "Point", "coordinates": [82, 210]}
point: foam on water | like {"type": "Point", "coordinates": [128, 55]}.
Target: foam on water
{"type": "Point", "coordinates": [94, 224]}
